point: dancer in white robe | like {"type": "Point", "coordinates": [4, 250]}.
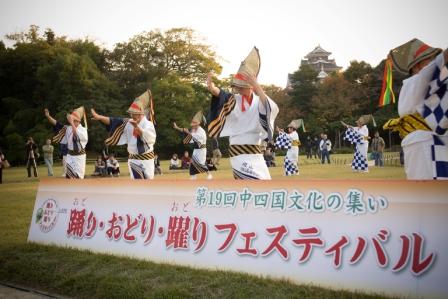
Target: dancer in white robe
{"type": "Point", "coordinates": [198, 137]}
{"type": "Point", "coordinates": [290, 141]}
{"type": "Point", "coordinates": [246, 117]}
{"type": "Point", "coordinates": [57, 126]}
{"type": "Point", "coordinates": [359, 136]}
{"type": "Point", "coordinates": [423, 110]}
{"type": "Point", "coordinates": [75, 137]}
{"type": "Point", "coordinates": [137, 132]}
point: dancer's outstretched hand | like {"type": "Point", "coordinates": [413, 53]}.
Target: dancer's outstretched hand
{"type": "Point", "coordinates": [252, 80]}
{"type": "Point", "coordinates": [211, 86]}
{"type": "Point", "coordinates": [95, 116]}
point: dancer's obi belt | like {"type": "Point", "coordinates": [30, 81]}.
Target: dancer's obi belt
{"type": "Point", "coordinates": [243, 149]}
{"type": "Point", "coordinates": [196, 145]}
{"type": "Point", "coordinates": [407, 124]}
{"type": "Point", "coordinates": [295, 143]}
{"type": "Point", "coordinates": [77, 153]}
{"type": "Point", "coordinates": [146, 156]}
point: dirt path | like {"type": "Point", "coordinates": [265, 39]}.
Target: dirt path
{"type": "Point", "coordinates": [15, 292]}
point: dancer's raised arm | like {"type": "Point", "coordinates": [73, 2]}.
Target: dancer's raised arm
{"type": "Point", "coordinates": [51, 120]}
{"type": "Point", "coordinates": [211, 86]}
{"type": "Point", "coordinates": [104, 119]}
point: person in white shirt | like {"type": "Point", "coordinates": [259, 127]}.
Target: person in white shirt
{"type": "Point", "coordinates": [325, 149]}
{"type": "Point", "coordinates": [174, 162]}
{"type": "Point", "coordinates": [246, 117]}
{"type": "Point", "coordinates": [113, 167]}
{"type": "Point", "coordinates": [197, 136]}
{"type": "Point", "coordinates": [138, 132]}
{"type": "Point", "coordinates": [75, 137]}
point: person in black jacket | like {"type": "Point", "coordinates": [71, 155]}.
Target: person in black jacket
{"type": "Point", "coordinates": [2, 165]}
{"type": "Point", "coordinates": [32, 155]}
{"type": "Point", "coordinates": [309, 147]}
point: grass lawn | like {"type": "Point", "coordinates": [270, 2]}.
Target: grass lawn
{"type": "Point", "coordinates": [82, 274]}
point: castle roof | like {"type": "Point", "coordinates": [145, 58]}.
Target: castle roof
{"type": "Point", "coordinates": [318, 51]}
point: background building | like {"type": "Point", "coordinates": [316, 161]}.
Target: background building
{"type": "Point", "coordinates": [318, 59]}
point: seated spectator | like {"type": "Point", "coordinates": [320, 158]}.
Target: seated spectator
{"type": "Point", "coordinates": [269, 158]}
{"type": "Point", "coordinates": [100, 167]}
{"type": "Point", "coordinates": [186, 160]}
{"type": "Point", "coordinates": [113, 168]}
{"type": "Point", "coordinates": [174, 162]}
{"type": "Point", "coordinates": [157, 169]}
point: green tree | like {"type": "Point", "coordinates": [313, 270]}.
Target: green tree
{"type": "Point", "coordinates": [154, 55]}
{"type": "Point", "coordinates": [334, 102]}
{"type": "Point", "coordinates": [304, 88]}
{"type": "Point", "coordinates": [39, 72]}
{"type": "Point", "coordinates": [358, 72]}
{"type": "Point", "coordinates": [173, 64]}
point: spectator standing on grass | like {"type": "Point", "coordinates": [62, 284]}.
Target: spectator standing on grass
{"type": "Point", "coordinates": [157, 169]}
{"type": "Point", "coordinates": [268, 157]}
{"type": "Point", "coordinates": [378, 145]}
{"type": "Point", "coordinates": [2, 165]}
{"type": "Point", "coordinates": [216, 154]}
{"type": "Point", "coordinates": [325, 148]}
{"type": "Point", "coordinates": [319, 150]}
{"type": "Point", "coordinates": [48, 149]}
{"type": "Point", "coordinates": [32, 154]}
{"type": "Point", "coordinates": [315, 147]}
{"type": "Point", "coordinates": [309, 147]}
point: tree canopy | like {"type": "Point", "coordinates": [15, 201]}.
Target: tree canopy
{"type": "Point", "coordinates": [341, 96]}
{"type": "Point", "coordinates": [43, 70]}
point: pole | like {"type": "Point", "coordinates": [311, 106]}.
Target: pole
{"type": "Point", "coordinates": [390, 141]}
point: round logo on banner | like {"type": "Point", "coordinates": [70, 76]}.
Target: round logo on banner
{"type": "Point", "coordinates": [47, 215]}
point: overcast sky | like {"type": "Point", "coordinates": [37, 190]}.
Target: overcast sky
{"type": "Point", "coordinates": [283, 30]}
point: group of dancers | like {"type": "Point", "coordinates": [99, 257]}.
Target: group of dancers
{"type": "Point", "coordinates": [246, 116]}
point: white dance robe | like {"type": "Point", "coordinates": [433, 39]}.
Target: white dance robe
{"type": "Point", "coordinates": [121, 132]}
{"type": "Point", "coordinates": [76, 143]}
{"type": "Point", "coordinates": [198, 138]}
{"type": "Point", "coordinates": [247, 127]}
{"type": "Point", "coordinates": [426, 152]}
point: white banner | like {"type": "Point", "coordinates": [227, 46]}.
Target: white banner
{"type": "Point", "coordinates": [373, 236]}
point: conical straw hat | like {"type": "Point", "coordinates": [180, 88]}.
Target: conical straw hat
{"type": "Point", "coordinates": [141, 104]}
{"type": "Point", "coordinates": [249, 66]}
{"type": "Point", "coordinates": [406, 56]}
